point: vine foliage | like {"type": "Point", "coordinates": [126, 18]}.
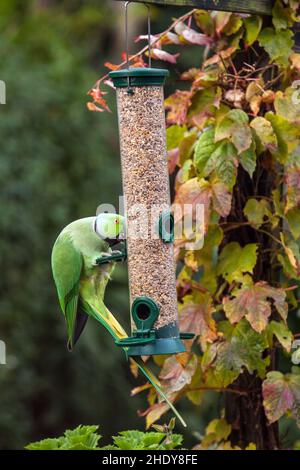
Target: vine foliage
{"type": "Point", "coordinates": [233, 136]}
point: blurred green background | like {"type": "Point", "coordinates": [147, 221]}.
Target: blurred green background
{"type": "Point", "coordinates": [58, 162]}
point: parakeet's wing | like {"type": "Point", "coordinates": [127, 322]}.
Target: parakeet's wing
{"type": "Point", "coordinates": [66, 267]}
{"type": "Point", "coordinates": [107, 319]}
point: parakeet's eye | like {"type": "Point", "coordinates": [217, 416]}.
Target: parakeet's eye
{"type": "Point", "coordinates": [117, 221]}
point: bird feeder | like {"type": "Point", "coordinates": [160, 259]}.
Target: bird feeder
{"type": "Point", "coordinates": [151, 266]}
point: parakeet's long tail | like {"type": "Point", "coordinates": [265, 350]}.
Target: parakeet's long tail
{"type": "Point", "coordinates": [154, 381]}
{"type": "Point", "coordinates": [106, 318]}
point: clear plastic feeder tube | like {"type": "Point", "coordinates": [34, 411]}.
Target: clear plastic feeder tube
{"type": "Point", "coordinates": [151, 265]}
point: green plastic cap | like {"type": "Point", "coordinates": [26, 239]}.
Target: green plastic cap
{"type": "Point", "coordinates": [138, 77]}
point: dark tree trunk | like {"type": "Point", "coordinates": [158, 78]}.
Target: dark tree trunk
{"type": "Point", "coordinates": [247, 417]}
{"type": "Point", "coordinates": [246, 412]}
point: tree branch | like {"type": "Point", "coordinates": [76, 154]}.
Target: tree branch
{"type": "Point", "coordinates": [144, 49]}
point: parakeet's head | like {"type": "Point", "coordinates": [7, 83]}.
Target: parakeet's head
{"type": "Point", "coordinates": [110, 227]}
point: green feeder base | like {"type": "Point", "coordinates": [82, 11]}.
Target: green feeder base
{"type": "Point", "coordinates": [165, 341]}
{"type": "Point", "coordinates": [148, 341]}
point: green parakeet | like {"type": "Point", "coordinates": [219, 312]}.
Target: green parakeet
{"type": "Point", "coordinates": [81, 280]}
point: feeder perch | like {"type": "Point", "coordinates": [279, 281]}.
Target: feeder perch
{"type": "Point", "coordinates": [150, 256]}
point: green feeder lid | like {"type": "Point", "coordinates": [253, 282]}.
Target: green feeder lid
{"type": "Point", "coordinates": [138, 77]}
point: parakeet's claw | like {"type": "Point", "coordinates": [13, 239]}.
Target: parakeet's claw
{"type": "Point", "coordinates": [116, 255]}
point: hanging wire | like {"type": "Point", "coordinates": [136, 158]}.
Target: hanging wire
{"type": "Point", "coordinates": [130, 91]}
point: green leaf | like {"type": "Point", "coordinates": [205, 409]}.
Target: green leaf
{"type": "Point", "coordinates": [186, 172]}
{"type": "Point", "coordinates": [175, 135]}
{"type": "Point", "coordinates": [281, 394]}
{"type": "Point", "coordinates": [287, 106]}
{"type": "Point", "coordinates": [293, 219]}
{"type": "Point", "coordinates": [265, 133]}
{"type": "Point", "coordinates": [287, 135]}
{"type": "Point", "coordinates": [235, 260]}
{"type": "Point", "coordinates": [196, 396]}
{"type": "Point", "coordinates": [234, 24]}
{"type": "Point", "coordinates": [223, 162]}
{"type": "Point", "coordinates": [45, 444]}
{"type": "Point", "coordinates": [282, 333]}
{"type": "Point", "coordinates": [204, 21]}
{"type": "Point", "coordinates": [138, 440]}
{"type": "Point", "coordinates": [80, 438]}
{"type": "Point", "coordinates": [186, 146]}
{"type": "Point", "coordinates": [204, 105]}
{"type": "Point", "coordinates": [281, 16]}
{"type": "Point", "coordinates": [296, 356]}
{"type": "Point", "coordinates": [253, 26]}
{"type": "Point", "coordinates": [253, 302]}
{"type": "Point", "coordinates": [248, 159]}
{"type": "Point", "coordinates": [278, 203]}
{"type": "Point", "coordinates": [203, 150]}
{"type": "Point", "coordinates": [277, 44]}
{"type": "Point", "coordinates": [235, 127]}
{"type": "Point", "coordinates": [217, 430]}
{"type": "Point", "coordinates": [256, 211]}
{"type": "Point", "coordinates": [225, 361]}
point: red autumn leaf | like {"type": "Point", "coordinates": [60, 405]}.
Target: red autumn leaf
{"type": "Point", "coordinates": [110, 84]}
{"type": "Point", "coordinates": [292, 180]}
{"type": "Point", "coordinates": [97, 96]}
{"type": "Point", "coordinates": [159, 54]}
{"type": "Point", "coordinates": [281, 394]}
{"type": "Point", "coordinates": [173, 159]}
{"type": "Point", "coordinates": [191, 36]}
{"type": "Point", "coordinates": [145, 37]}
{"type": "Point", "coordinates": [221, 198]}
{"type": "Point", "coordinates": [190, 74]}
{"type": "Point", "coordinates": [92, 107]}
{"type": "Point", "coordinates": [197, 318]}
{"type": "Point", "coordinates": [254, 303]}
{"type": "Point", "coordinates": [169, 38]}
{"type": "Point", "coordinates": [153, 413]}
{"type": "Point", "coordinates": [196, 192]}
{"type": "Point", "coordinates": [177, 105]}
{"type": "Point", "coordinates": [175, 375]}
{"type": "Point", "coordinates": [111, 66]}
{"type": "Point", "coordinates": [135, 62]}
{"type": "Point", "coordinates": [141, 388]}
{"type": "Point", "coordinates": [196, 38]}
{"type": "Point", "coordinates": [222, 55]}
{"type": "Point", "coordinates": [189, 195]}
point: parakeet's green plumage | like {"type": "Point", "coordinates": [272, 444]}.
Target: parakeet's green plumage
{"type": "Point", "coordinates": [81, 282]}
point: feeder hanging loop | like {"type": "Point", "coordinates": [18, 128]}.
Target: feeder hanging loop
{"type": "Point", "coordinates": [129, 89]}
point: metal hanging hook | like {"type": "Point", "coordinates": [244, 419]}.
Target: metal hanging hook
{"type": "Point", "coordinates": [130, 91]}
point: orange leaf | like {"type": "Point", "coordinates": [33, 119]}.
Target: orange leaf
{"type": "Point", "coordinates": [92, 107]}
